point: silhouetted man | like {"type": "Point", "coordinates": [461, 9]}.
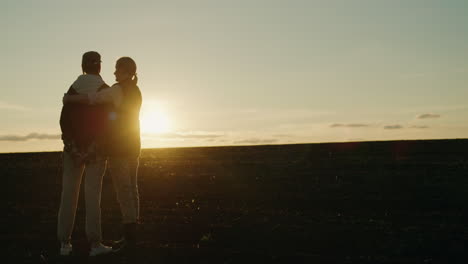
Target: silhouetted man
{"type": "Point", "coordinates": [81, 126]}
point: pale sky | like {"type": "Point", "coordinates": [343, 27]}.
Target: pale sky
{"type": "Point", "coordinates": [246, 71]}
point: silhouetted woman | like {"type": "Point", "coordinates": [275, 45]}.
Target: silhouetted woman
{"type": "Point", "coordinates": [121, 142]}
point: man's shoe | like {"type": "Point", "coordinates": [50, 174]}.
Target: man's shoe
{"type": "Point", "coordinates": [100, 250]}
{"type": "Point", "coordinates": [66, 249]}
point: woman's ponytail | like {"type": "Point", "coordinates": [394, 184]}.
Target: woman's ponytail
{"type": "Point", "coordinates": [135, 79]}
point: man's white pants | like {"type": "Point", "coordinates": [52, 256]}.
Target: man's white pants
{"type": "Point", "coordinates": [71, 181]}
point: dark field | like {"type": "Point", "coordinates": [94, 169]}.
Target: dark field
{"type": "Point", "coordinates": [367, 202]}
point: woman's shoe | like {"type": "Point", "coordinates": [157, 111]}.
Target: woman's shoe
{"type": "Point", "coordinates": [116, 244]}
{"type": "Point", "coordinates": [124, 245]}
{"type": "Point", "coordinates": [128, 242]}
{"type": "Point", "coordinates": [100, 250]}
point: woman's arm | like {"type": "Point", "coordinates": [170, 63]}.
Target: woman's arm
{"type": "Point", "coordinates": [76, 98]}
{"type": "Point", "coordinates": [106, 96]}
{"type": "Point", "coordinates": [111, 95]}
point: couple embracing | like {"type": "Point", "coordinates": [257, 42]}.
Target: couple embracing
{"type": "Point", "coordinates": [100, 128]}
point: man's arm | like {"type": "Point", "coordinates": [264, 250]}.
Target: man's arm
{"type": "Point", "coordinates": [66, 118]}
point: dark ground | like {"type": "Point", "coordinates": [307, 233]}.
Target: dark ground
{"type": "Point", "coordinates": [366, 202]}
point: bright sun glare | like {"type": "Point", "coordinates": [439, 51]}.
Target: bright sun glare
{"type": "Point", "coordinates": [154, 119]}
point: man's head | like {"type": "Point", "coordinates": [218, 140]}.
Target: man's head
{"type": "Point", "coordinates": [91, 62]}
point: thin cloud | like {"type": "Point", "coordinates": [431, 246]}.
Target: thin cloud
{"type": "Point", "coordinates": [425, 116]}
{"type": "Point", "coordinates": [393, 127]}
{"type": "Point", "coordinates": [419, 127]}
{"type": "Point", "coordinates": [15, 107]}
{"type": "Point", "coordinates": [282, 135]}
{"type": "Point", "coordinates": [353, 125]}
{"type": "Point", "coordinates": [255, 141]}
{"type": "Point", "coordinates": [29, 136]}
{"type": "Point", "coordinates": [190, 135]}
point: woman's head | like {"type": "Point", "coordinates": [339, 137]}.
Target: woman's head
{"type": "Point", "coordinates": [91, 62]}
{"type": "Point", "coordinates": [125, 70]}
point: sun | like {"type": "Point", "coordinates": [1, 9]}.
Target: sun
{"type": "Point", "coordinates": [154, 119]}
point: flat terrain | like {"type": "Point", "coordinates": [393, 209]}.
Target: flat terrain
{"type": "Point", "coordinates": [363, 202]}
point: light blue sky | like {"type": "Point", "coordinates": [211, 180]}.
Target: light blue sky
{"type": "Point", "coordinates": [245, 72]}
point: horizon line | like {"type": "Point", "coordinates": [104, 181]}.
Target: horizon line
{"type": "Point", "coordinates": [263, 145]}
